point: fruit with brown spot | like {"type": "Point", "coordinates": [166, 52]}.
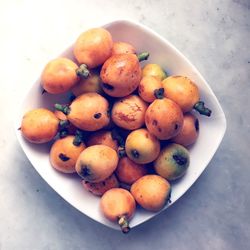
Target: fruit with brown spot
{"type": "Point", "coordinates": [141, 146]}
{"type": "Point", "coordinates": [129, 112]}
{"type": "Point", "coordinates": [100, 188]}
{"type": "Point", "coordinates": [96, 163]}
{"type": "Point", "coordinates": [147, 87]}
{"type": "Point", "coordinates": [102, 138]}
{"type": "Point", "coordinates": [185, 93]}
{"type": "Point", "coordinates": [164, 118]}
{"type": "Point", "coordinates": [121, 75]}
{"type": "Point", "coordinates": [173, 161]}
{"type": "Point", "coordinates": [64, 154]}
{"type": "Point", "coordinates": [189, 132]}
{"type": "Point", "coordinates": [88, 112]}
{"type": "Point", "coordinates": [122, 48]}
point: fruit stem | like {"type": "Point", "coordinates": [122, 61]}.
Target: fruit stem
{"type": "Point", "coordinates": [159, 93]}
{"type": "Point", "coordinates": [63, 124]}
{"type": "Point", "coordinates": [200, 107]}
{"type": "Point", "coordinates": [116, 136]}
{"type": "Point", "coordinates": [124, 224]}
{"type": "Point", "coordinates": [63, 133]}
{"type": "Point", "coordinates": [78, 138]}
{"type": "Point", "coordinates": [64, 108]}
{"type": "Point", "coordinates": [121, 152]}
{"type": "Point", "coordinates": [83, 71]}
{"type": "Point", "coordinates": [143, 56]}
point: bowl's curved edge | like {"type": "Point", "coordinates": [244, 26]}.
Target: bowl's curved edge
{"type": "Point", "coordinates": [223, 119]}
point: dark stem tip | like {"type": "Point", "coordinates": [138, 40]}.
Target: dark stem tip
{"type": "Point", "coordinates": [77, 141]}
{"type": "Point", "coordinates": [83, 71]}
{"type": "Point", "coordinates": [124, 224]}
{"type": "Point", "coordinates": [143, 56]}
{"type": "Point", "coordinates": [79, 137]}
{"type": "Point", "coordinates": [121, 152]}
{"type": "Point", "coordinates": [200, 107]}
{"type": "Point", "coordinates": [159, 93]}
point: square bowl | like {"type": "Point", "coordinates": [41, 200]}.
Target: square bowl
{"type": "Point", "coordinates": [212, 129]}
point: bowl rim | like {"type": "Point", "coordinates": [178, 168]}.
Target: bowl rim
{"type": "Point", "coordinates": [186, 60]}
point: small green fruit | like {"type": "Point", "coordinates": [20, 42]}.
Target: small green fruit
{"type": "Point", "coordinates": [172, 162]}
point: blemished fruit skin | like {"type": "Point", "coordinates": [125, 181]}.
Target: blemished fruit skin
{"type": "Point", "coordinates": [96, 163]}
{"type": "Point", "coordinates": [141, 146]}
{"type": "Point", "coordinates": [39, 125]}
{"type": "Point", "coordinates": [147, 87]}
{"type": "Point", "coordinates": [189, 132]}
{"type": "Point", "coordinates": [116, 203]}
{"type": "Point", "coordinates": [181, 90]}
{"type": "Point", "coordinates": [154, 70]}
{"type": "Point", "coordinates": [93, 47]}
{"type": "Point", "coordinates": [129, 112]}
{"type": "Point", "coordinates": [64, 154]}
{"type": "Point", "coordinates": [164, 118]}
{"type": "Point", "coordinates": [102, 138]}
{"type": "Point", "coordinates": [173, 162]}
{"type": "Point", "coordinates": [122, 48]}
{"type": "Point", "coordinates": [59, 76]}
{"type": "Point", "coordinates": [151, 192]}
{"type": "Point", "coordinates": [121, 75]}
{"type": "Point", "coordinates": [89, 112]}
{"type": "Point", "coordinates": [100, 188]}
{"type": "Point", "coordinates": [128, 171]}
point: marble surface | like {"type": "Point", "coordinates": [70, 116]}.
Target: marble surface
{"type": "Point", "coordinates": [214, 213]}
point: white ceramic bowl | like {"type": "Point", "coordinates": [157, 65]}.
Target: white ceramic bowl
{"type": "Point", "coordinates": [162, 52]}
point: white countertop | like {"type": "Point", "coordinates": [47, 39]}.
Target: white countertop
{"type": "Point", "coordinates": [214, 213]}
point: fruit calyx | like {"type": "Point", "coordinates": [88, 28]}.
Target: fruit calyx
{"type": "Point", "coordinates": [159, 93]}
{"type": "Point", "coordinates": [83, 71]}
{"type": "Point", "coordinates": [78, 138]}
{"type": "Point", "coordinates": [180, 160]}
{"type": "Point", "coordinates": [124, 224]}
{"type": "Point", "coordinates": [135, 153]}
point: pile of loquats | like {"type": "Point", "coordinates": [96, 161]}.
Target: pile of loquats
{"type": "Point", "coordinates": [126, 129]}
